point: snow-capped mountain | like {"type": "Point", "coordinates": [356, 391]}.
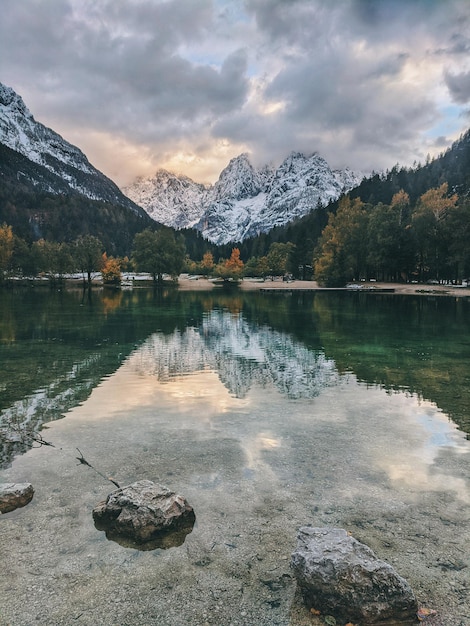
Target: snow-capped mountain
{"type": "Point", "coordinates": [67, 167]}
{"type": "Point", "coordinates": [240, 353]}
{"type": "Point", "coordinates": [235, 202]}
{"type": "Point", "coordinates": [175, 201]}
{"type": "Point", "coordinates": [244, 202]}
{"type": "Point", "coordinates": [239, 180]}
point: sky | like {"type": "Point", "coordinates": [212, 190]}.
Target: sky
{"type": "Point", "coordinates": [189, 84]}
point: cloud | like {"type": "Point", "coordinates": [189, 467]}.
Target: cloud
{"type": "Point", "coordinates": [341, 95]}
{"type": "Point", "coordinates": [359, 79]}
{"type": "Point", "coordinates": [459, 86]}
{"type": "Point", "coordinates": [366, 83]}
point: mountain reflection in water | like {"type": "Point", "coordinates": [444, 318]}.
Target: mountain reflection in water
{"type": "Point", "coordinates": [241, 353]}
{"type": "Point", "coordinates": [56, 347]}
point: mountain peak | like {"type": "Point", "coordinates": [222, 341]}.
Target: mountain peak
{"type": "Point", "coordinates": [238, 180]}
{"type": "Point", "coordinates": [171, 199]}
{"type": "Point", "coordinates": [244, 201]}
{"type": "Point", "coordinates": [20, 132]}
{"type": "Point", "coordinates": [11, 100]}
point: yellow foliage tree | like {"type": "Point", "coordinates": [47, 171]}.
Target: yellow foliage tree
{"type": "Point", "coordinates": [340, 253]}
{"type": "Point", "coordinates": [6, 248]}
{"type": "Point", "coordinates": [111, 271]}
{"type": "Point", "coordinates": [207, 263]}
{"type": "Point", "coordinates": [428, 223]}
{"type": "Point", "coordinates": [400, 202]}
{"type": "Point", "coordinates": [401, 198]}
{"type": "Point", "coordinates": [436, 201]}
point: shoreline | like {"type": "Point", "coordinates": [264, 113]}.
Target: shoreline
{"type": "Point", "coordinates": [247, 284]}
{"type": "Point", "coordinates": [200, 283]}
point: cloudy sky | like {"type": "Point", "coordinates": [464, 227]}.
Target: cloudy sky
{"type": "Point", "coordinates": [189, 84]}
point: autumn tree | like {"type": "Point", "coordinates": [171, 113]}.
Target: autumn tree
{"type": "Point", "coordinates": [401, 203]}
{"type": "Point", "coordinates": [190, 266]}
{"type": "Point", "coordinates": [340, 255]}
{"type": "Point", "coordinates": [232, 268]}
{"type": "Point", "coordinates": [429, 231]}
{"type": "Point", "coordinates": [6, 249]}
{"type": "Point", "coordinates": [207, 264]}
{"type": "Point", "coordinates": [437, 201]}
{"type": "Point", "coordinates": [111, 270]}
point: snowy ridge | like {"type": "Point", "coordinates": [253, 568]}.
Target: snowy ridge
{"type": "Point", "coordinates": [20, 132]}
{"type": "Point", "coordinates": [238, 181]}
{"type": "Point", "coordinates": [244, 202]}
{"type": "Point", "coordinates": [241, 354]}
{"type": "Point", "coordinates": [178, 199]}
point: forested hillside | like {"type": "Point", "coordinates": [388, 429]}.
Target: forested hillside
{"type": "Point", "coordinates": [60, 216]}
{"type": "Point", "coordinates": [404, 224]}
{"type": "Point", "coordinates": [451, 167]}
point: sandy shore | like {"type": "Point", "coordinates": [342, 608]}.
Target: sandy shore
{"type": "Point", "coordinates": [252, 284]}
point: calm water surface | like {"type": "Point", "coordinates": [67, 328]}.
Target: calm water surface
{"type": "Point", "coordinates": [268, 412]}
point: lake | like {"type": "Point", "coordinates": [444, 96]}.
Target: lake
{"type": "Point", "coordinates": [266, 411]}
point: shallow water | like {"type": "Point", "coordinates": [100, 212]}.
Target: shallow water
{"type": "Point", "coordinates": [239, 404]}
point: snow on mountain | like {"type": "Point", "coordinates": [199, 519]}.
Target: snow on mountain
{"type": "Point", "coordinates": [175, 201]}
{"type": "Point", "coordinates": [244, 202]}
{"type": "Point", "coordinates": [236, 201]}
{"type": "Point", "coordinates": [43, 146]}
{"type": "Point", "coordinates": [300, 182]}
{"type": "Point", "coordinates": [20, 131]}
{"type": "Point", "coordinates": [240, 353]}
{"type": "Point", "coordinates": [299, 185]}
{"type": "Point", "coordinates": [238, 181]}
{"type": "Point", "coordinates": [347, 179]}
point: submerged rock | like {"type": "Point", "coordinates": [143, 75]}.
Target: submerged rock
{"type": "Point", "coordinates": [342, 577]}
{"type": "Point", "coordinates": [15, 495]}
{"type": "Point", "coordinates": [145, 515]}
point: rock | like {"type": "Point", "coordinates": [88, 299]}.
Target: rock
{"type": "Point", "coordinates": [145, 515]}
{"type": "Point", "coordinates": [13, 496]}
{"type": "Point", "coordinates": [342, 577]}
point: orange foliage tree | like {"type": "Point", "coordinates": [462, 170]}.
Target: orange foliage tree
{"type": "Point", "coordinates": [6, 248]}
{"type": "Point", "coordinates": [232, 268]}
{"type": "Point", "coordinates": [111, 270]}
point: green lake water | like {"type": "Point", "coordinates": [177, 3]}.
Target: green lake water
{"type": "Point", "coordinates": [266, 411]}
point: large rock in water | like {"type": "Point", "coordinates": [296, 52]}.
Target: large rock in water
{"type": "Point", "coordinates": [15, 495]}
{"type": "Point", "coordinates": [143, 515]}
{"type": "Point", "coordinates": [342, 577]}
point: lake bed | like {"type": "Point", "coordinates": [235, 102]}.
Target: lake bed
{"type": "Point", "coordinates": [245, 406]}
